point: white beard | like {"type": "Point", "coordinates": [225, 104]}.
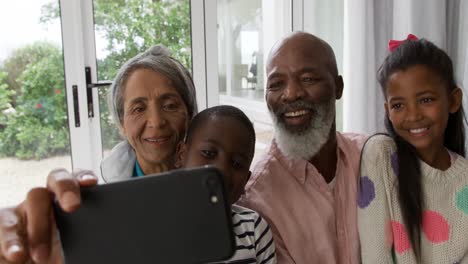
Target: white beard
{"type": "Point", "coordinates": [306, 144]}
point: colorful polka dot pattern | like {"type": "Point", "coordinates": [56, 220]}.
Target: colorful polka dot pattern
{"type": "Point", "coordinates": [366, 192]}
{"type": "Point", "coordinates": [435, 227]}
{"type": "Point", "coordinates": [400, 238]}
{"type": "Point", "coordinates": [462, 200]}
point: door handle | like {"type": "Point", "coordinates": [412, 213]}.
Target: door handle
{"type": "Point", "coordinates": [98, 84]}
{"type": "Point", "coordinates": [89, 90]}
{"type": "Point", "coordinates": [76, 107]}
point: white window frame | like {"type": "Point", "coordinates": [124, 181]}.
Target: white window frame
{"type": "Point", "coordinates": [204, 63]}
{"type": "Point", "coordinates": [74, 33]}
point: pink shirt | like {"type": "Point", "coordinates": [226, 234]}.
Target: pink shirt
{"type": "Point", "coordinates": [311, 221]}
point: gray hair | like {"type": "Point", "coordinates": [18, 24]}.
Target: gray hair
{"type": "Point", "coordinates": [158, 59]}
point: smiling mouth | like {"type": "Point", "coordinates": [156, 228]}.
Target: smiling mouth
{"type": "Point", "coordinates": [296, 113]}
{"type": "Point", "coordinates": [418, 130]}
{"type": "Point", "coordinates": [157, 140]}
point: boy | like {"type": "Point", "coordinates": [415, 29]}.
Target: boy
{"type": "Point", "coordinates": [224, 137]}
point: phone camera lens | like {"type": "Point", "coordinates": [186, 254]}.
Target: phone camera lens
{"type": "Point", "coordinates": [214, 199]}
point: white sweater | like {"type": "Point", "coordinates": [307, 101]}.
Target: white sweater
{"type": "Point", "coordinates": [383, 236]}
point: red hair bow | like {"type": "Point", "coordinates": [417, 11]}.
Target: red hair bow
{"type": "Point", "coordinates": [393, 44]}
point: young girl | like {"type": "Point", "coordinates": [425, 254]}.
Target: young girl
{"type": "Point", "coordinates": [224, 137]}
{"type": "Point", "coordinates": [413, 189]}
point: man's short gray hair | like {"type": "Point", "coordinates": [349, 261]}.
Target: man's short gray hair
{"type": "Point", "coordinates": [158, 59]}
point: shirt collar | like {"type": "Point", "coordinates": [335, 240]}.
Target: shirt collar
{"type": "Point", "coordinates": [119, 164]}
{"type": "Point", "coordinates": [138, 172]}
{"type": "Point", "coordinates": [341, 151]}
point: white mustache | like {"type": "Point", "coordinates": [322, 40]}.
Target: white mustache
{"type": "Point", "coordinates": [295, 106]}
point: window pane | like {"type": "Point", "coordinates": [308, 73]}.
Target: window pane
{"type": "Point", "coordinates": [34, 134]}
{"type": "Point", "coordinates": [247, 29]}
{"type": "Point", "coordinates": [124, 28]}
{"type": "Point", "coordinates": [325, 19]}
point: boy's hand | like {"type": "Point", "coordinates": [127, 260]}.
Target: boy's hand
{"type": "Point", "coordinates": [28, 232]}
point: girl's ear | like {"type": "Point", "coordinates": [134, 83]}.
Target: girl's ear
{"type": "Point", "coordinates": [386, 109]}
{"type": "Point", "coordinates": [456, 97]}
{"type": "Point", "coordinates": [180, 155]}
{"type": "Point", "coordinates": [387, 112]}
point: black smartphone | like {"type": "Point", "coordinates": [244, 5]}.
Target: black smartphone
{"type": "Point", "coordinates": [181, 216]}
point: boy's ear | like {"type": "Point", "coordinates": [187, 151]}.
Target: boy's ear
{"type": "Point", "coordinates": [456, 97]}
{"type": "Point", "coordinates": [181, 154]}
{"type": "Point", "coordinates": [247, 179]}
{"type": "Point", "coordinates": [245, 183]}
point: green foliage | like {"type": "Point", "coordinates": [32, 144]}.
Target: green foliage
{"type": "Point", "coordinates": [5, 93]}
{"type": "Point", "coordinates": [132, 26]}
{"type": "Point", "coordinates": [49, 12]}
{"type": "Point", "coordinates": [5, 99]}
{"type": "Point", "coordinates": [109, 132]}
{"type": "Point", "coordinates": [39, 127]}
{"type": "Point", "coordinates": [17, 62]}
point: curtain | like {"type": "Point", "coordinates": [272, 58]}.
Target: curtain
{"type": "Point", "coordinates": [368, 27]}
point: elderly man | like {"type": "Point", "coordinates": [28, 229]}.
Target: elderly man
{"type": "Point", "coordinates": [305, 186]}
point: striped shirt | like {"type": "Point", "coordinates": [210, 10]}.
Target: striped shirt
{"type": "Point", "coordinates": [254, 241]}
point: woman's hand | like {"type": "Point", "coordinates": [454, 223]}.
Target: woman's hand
{"type": "Point", "coordinates": [28, 232]}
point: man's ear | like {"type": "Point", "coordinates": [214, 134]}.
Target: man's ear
{"type": "Point", "coordinates": [456, 97]}
{"type": "Point", "coordinates": [181, 155]}
{"type": "Point", "coordinates": [339, 87]}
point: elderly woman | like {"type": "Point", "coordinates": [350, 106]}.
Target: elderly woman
{"type": "Point", "coordinates": [152, 100]}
